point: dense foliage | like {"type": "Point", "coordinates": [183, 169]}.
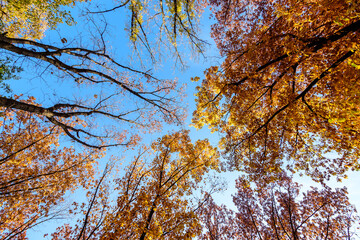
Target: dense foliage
{"type": "Point", "coordinates": [287, 94]}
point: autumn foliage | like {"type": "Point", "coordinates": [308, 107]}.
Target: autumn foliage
{"type": "Point", "coordinates": [287, 94]}
{"type": "Point", "coordinates": [154, 195]}
{"type": "Point", "coordinates": [35, 172]}
{"type": "Point", "coordinates": [31, 18]}
{"type": "Point", "coordinates": [279, 211]}
{"type": "Point", "coordinates": [285, 102]}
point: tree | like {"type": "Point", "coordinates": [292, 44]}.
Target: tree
{"type": "Point", "coordinates": [155, 198]}
{"type": "Point", "coordinates": [35, 173]}
{"type": "Point", "coordinates": [157, 25]}
{"type": "Point", "coordinates": [217, 221]}
{"type": "Point", "coordinates": [279, 211]}
{"type": "Point", "coordinates": [31, 18]}
{"type": "Point", "coordinates": [288, 90]}
{"type": "Point", "coordinates": [104, 87]}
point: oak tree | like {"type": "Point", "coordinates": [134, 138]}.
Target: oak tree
{"type": "Point", "coordinates": [287, 93]}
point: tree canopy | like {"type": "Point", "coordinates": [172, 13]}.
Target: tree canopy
{"type": "Point", "coordinates": [284, 100]}
{"type": "Point", "coordinates": [35, 172]}
{"type": "Point", "coordinates": [278, 211]}
{"type": "Point", "coordinates": [154, 195]}
{"type": "Point", "coordinates": [286, 96]}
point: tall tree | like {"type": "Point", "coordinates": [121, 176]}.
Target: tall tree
{"type": "Point", "coordinates": [288, 90]}
{"type": "Point", "coordinates": [155, 198]}
{"type": "Point", "coordinates": [279, 211]}
{"type": "Point", "coordinates": [35, 172]}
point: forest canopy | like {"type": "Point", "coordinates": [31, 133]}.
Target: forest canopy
{"type": "Point", "coordinates": [78, 110]}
